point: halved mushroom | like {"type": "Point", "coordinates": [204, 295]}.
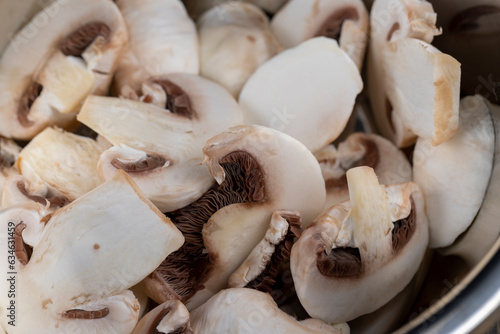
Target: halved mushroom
{"type": "Point", "coordinates": [235, 40]}
{"type": "Point", "coordinates": [76, 278]}
{"type": "Point", "coordinates": [9, 151]}
{"type": "Point", "coordinates": [163, 40]}
{"type": "Point", "coordinates": [161, 148]}
{"type": "Point", "coordinates": [311, 102]}
{"type": "Point", "coordinates": [454, 176]}
{"type": "Point", "coordinates": [360, 149]}
{"type": "Point", "coordinates": [361, 253]}
{"type": "Point", "coordinates": [241, 310]}
{"type": "Point", "coordinates": [44, 76]}
{"type": "Point", "coordinates": [413, 87]}
{"type": "Point", "coordinates": [196, 8]}
{"type": "Point", "coordinates": [171, 317]}
{"type": "Point", "coordinates": [63, 162]}
{"type": "Point", "coordinates": [259, 171]}
{"type": "Point", "coordinates": [345, 21]}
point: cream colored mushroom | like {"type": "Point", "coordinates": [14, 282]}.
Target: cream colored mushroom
{"type": "Point", "coordinates": [76, 278]}
{"type": "Point", "coordinates": [235, 40]}
{"type": "Point", "coordinates": [9, 151]}
{"type": "Point", "coordinates": [242, 310]}
{"type": "Point", "coordinates": [259, 171]}
{"type": "Point", "coordinates": [361, 253]}
{"type": "Point", "coordinates": [196, 8]}
{"type": "Point", "coordinates": [413, 87]}
{"type": "Point", "coordinates": [455, 175]}
{"type": "Point", "coordinates": [161, 148]}
{"type": "Point", "coordinates": [345, 21]}
{"type": "Point", "coordinates": [163, 40]}
{"type": "Point", "coordinates": [311, 102]}
{"type": "Point", "coordinates": [360, 149]}
{"type": "Point", "coordinates": [169, 317]}
{"type": "Point", "coordinates": [48, 69]}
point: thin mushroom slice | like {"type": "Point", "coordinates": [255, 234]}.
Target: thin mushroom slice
{"type": "Point", "coordinates": [454, 176]}
{"type": "Point", "coordinates": [360, 149]}
{"type": "Point", "coordinates": [241, 310]}
{"type": "Point", "coordinates": [171, 317]}
{"type": "Point", "coordinates": [163, 40]}
{"type": "Point", "coordinates": [259, 171]}
{"type": "Point", "coordinates": [95, 232]}
{"type": "Point", "coordinates": [311, 102]}
{"type": "Point", "coordinates": [75, 54]}
{"type": "Point", "coordinates": [161, 147]}
{"type": "Point", "coordinates": [345, 21]}
{"type": "Point", "coordinates": [377, 239]}
{"type": "Point", "coordinates": [235, 39]}
{"type": "Point", "coordinates": [9, 151]}
{"type": "Point", "coordinates": [64, 163]}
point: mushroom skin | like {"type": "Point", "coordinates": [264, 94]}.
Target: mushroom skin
{"type": "Point", "coordinates": [241, 310]}
{"type": "Point", "coordinates": [161, 147]}
{"type": "Point", "coordinates": [76, 52]}
{"type": "Point", "coordinates": [286, 97]}
{"type": "Point", "coordinates": [163, 40]}
{"type": "Point", "coordinates": [171, 317]}
{"type": "Point", "coordinates": [346, 21]}
{"type": "Point", "coordinates": [376, 239]}
{"type": "Point", "coordinates": [95, 231]}
{"type": "Point", "coordinates": [235, 39]}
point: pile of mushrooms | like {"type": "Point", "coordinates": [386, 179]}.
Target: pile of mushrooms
{"type": "Point", "coordinates": [173, 166]}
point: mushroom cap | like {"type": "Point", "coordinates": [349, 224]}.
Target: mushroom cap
{"type": "Point", "coordinates": [454, 176]}
{"type": "Point", "coordinates": [286, 97]}
{"type": "Point", "coordinates": [300, 20]}
{"type": "Point", "coordinates": [167, 317]}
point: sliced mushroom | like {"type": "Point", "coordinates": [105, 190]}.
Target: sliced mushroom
{"type": "Point", "coordinates": [18, 190]}
{"type": "Point", "coordinates": [241, 310]}
{"type": "Point", "coordinates": [63, 162]}
{"type": "Point", "coordinates": [454, 176]}
{"type": "Point", "coordinates": [259, 171]}
{"type": "Point", "coordinates": [161, 148]}
{"type": "Point", "coordinates": [9, 151]}
{"type": "Point", "coordinates": [345, 21]}
{"type": "Point", "coordinates": [44, 76]}
{"type": "Point", "coordinates": [171, 317]}
{"type": "Point", "coordinates": [311, 102]}
{"type": "Point", "coordinates": [77, 277]}
{"type": "Point", "coordinates": [235, 40]}
{"type": "Point", "coordinates": [413, 87]}
{"type": "Point", "coordinates": [377, 239]}
{"type": "Point", "coordinates": [163, 40]}
{"type": "Point", "coordinates": [360, 149]}
{"type": "Point", "coordinates": [196, 8]}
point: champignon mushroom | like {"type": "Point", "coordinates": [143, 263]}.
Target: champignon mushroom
{"type": "Point", "coordinates": [259, 171]}
{"type": "Point", "coordinates": [63, 162]}
{"type": "Point", "coordinates": [161, 148]}
{"type": "Point", "coordinates": [241, 310]}
{"type": "Point", "coordinates": [345, 21]}
{"type": "Point", "coordinates": [163, 40]}
{"type": "Point", "coordinates": [196, 7]}
{"type": "Point", "coordinates": [413, 87]}
{"type": "Point", "coordinates": [360, 149]}
{"type": "Point", "coordinates": [235, 40]}
{"type": "Point", "coordinates": [311, 102]}
{"type": "Point", "coordinates": [76, 278]}
{"type": "Point", "coordinates": [9, 151]}
{"type": "Point", "coordinates": [454, 176]}
{"type": "Point", "coordinates": [377, 239]}
{"type": "Point", "coordinates": [44, 76]}
{"type": "Point", "coordinates": [171, 317]}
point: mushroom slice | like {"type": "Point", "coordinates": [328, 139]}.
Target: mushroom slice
{"type": "Point", "coordinates": [454, 176]}
{"type": "Point", "coordinates": [400, 54]}
{"type": "Point", "coordinates": [9, 151]}
{"type": "Point", "coordinates": [259, 171]}
{"type": "Point", "coordinates": [360, 149]}
{"type": "Point", "coordinates": [171, 317]}
{"type": "Point", "coordinates": [311, 102]}
{"type": "Point", "coordinates": [63, 162]}
{"type": "Point", "coordinates": [345, 21]}
{"type": "Point", "coordinates": [196, 8]}
{"type": "Point", "coordinates": [235, 40]}
{"type": "Point", "coordinates": [75, 54]}
{"type": "Point", "coordinates": [77, 277]}
{"type": "Point", "coordinates": [241, 310]}
{"type": "Point", "coordinates": [377, 239]}
{"type": "Point", "coordinates": [161, 148]}
{"type": "Point", "coordinates": [163, 40]}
